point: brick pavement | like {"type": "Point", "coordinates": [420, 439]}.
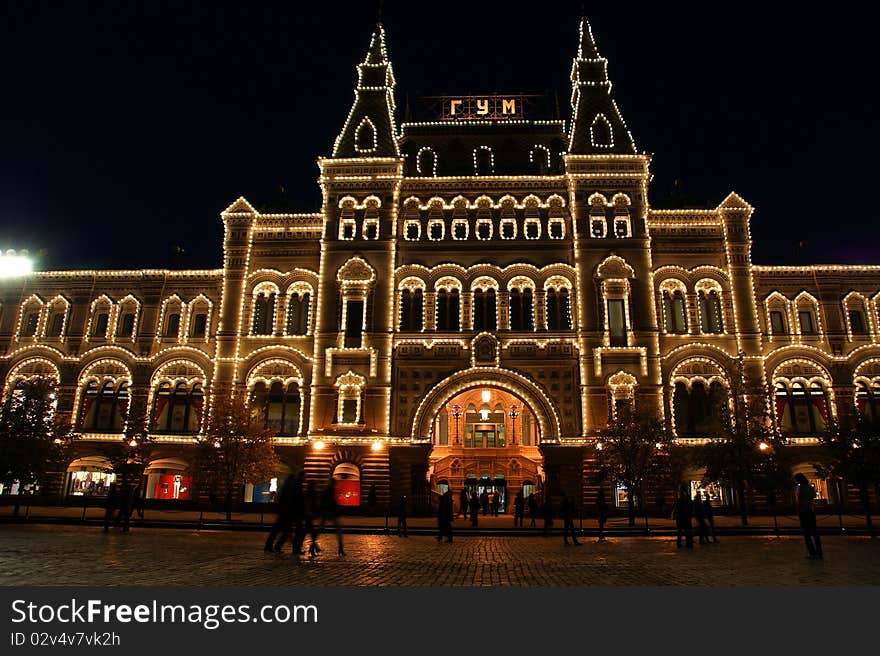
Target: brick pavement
{"type": "Point", "coordinates": [65, 555]}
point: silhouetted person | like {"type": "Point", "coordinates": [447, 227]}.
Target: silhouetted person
{"type": "Point", "coordinates": [124, 515]}
{"type": "Point", "coordinates": [684, 511]}
{"type": "Point", "coordinates": [700, 516]}
{"type": "Point", "coordinates": [110, 505]}
{"type": "Point", "coordinates": [475, 510]}
{"type": "Point", "coordinates": [805, 494]}
{"type": "Point", "coordinates": [463, 502]}
{"type": "Point", "coordinates": [709, 511]}
{"type": "Point", "coordinates": [293, 530]}
{"type": "Point", "coordinates": [567, 510]}
{"type": "Point", "coordinates": [330, 512]}
{"type": "Point", "coordinates": [137, 501]}
{"type": "Point", "coordinates": [311, 512]}
{"type": "Point", "coordinates": [601, 511]}
{"type": "Point", "coordinates": [533, 510]}
{"type": "Point", "coordinates": [547, 513]}
{"type": "Point", "coordinates": [444, 517]}
{"type": "Point", "coordinates": [496, 503]}
{"type": "Point", "coordinates": [284, 509]}
{"type": "Point", "coordinates": [484, 502]}
{"type": "Point", "coordinates": [519, 509]}
{"type": "Point", "coordinates": [401, 516]}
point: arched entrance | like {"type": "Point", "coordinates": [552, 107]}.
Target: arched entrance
{"type": "Point", "coordinates": [485, 441]}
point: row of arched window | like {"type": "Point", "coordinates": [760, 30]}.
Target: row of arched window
{"type": "Point", "coordinates": [675, 311]}
{"type": "Point", "coordinates": [297, 319]}
{"type": "Point", "coordinates": [484, 229]}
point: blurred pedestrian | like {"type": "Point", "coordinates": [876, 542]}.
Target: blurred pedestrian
{"type": "Point", "coordinates": [124, 515]}
{"type": "Point", "coordinates": [601, 512]}
{"type": "Point", "coordinates": [475, 510]}
{"type": "Point", "coordinates": [683, 513]}
{"type": "Point", "coordinates": [709, 512]}
{"type": "Point", "coordinates": [293, 529]}
{"type": "Point", "coordinates": [283, 508]}
{"type": "Point", "coordinates": [700, 516]}
{"type": "Point", "coordinates": [805, 495]}
{"type": "Point", "coordinates": [519, 507]}
{"type": "Point", "coordinates": [484, 502]}
{"type": "Point", "coordinates": [401, 516]}
{"type": "Point", "coordinates": [444, 517]}
{"type": "Point", "coordinates": [311, 514]}
{"type": "Point", "coordinates": [496, 503]}
{"type": "Point", "coordinates": [137, 501]}
{"type": "Point", "coordinates": [533, 510]}
{"type": "Point", "coordinates": [567, 510]}
{"type": "Point", "coordinates": [110, 505]}
{"type": "Point", "coordinates": [330, 512]}
{"type": "Point", "coordinates": [463, 503]}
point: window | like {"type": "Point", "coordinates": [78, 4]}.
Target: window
{"type": "Point", "coordinates": [857, 322]}
{"type": "Point", "coordinates": [178, 409]}
{"type": "Point", "coordinates": [459, 229]}
{"type": "Point", "coordinates": [56, 325]}
{"type": "Point", "coordinates": [448, 314]}
{"type": "Point", "coordinates": [126, 325]}
{"type": "Point", "coordinates": [30, 324]}
{"type": "Point", "coordinates": [558, 309]}
{"type": "Point", "coordinates": [483, 161]}
{"type": "Point", "coordinates": [533, 229]}
{"type": "Point", "coordinates": [621, 227]}
{"type": "Point", "coordinates": [172, 325]}
{"type": "Point", "coordinates": [101, 320]}
{"type": "Point", "coordinates": [868, 402]}
{"type": "Point", "coordinates": [799, 409]}
{"type": "Point", "coordinates": [298, 314]}
{"type": "Point", "coordinates": [556, 228]}
{"type": "Point", "coordinates": [278, 406]}
{"type": "Point", "coordinates": [617, 322]}
{"type": "Point", "coordinates": [412, 231]}
{"type": "Point", "coordinates": [697, 411]}
{"type": "Point", "coordinates": [674, 312]}
{"type": "Point", "coordinates": [521, 314]}
{"type": "Point", "coordinates": [411, 305]}
{"type": "Point", "coordinates": [484, 310]}
{"type": "Point", "coordinates": [354, 323]}
{"type": "Point", "coordinates": [104, 409]}
{"type": "Point", "coordinates": [371, 229]}
{"type": "Point", "coordinates": [805, 319]}
{"type": "Point", "coordinates": [508, 228]}
{"type": "Point", "coordinates": [484, 229]}
{"type": "Point", "coordinates": [777, 323]}
{"type": "Point", "coordinates": [435, 230]}
{"type": "Point", "coordinates": [264, 314]}
{"type": "Point", "coordinates": [710, 312]}
{"type": "Point", "coordinates": [349, 411]}
{"type": "Point", "coordinates": [597, 227]}
{"type": "Point", "coordinates": [200, 325]}
{"type": "Point", "coordinates": [347, 229]}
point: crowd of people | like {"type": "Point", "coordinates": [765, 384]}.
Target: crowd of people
{"type": "Point", "coordinates": [123, 501]}
{"type": "Point", "coordinates": [302, 514]}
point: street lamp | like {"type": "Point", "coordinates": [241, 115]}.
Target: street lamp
{"type": "Point", "coordinates": [455, 411]}
{"type": "Point", "coordinates": [513, 413]}
{"type": "Point", "coordinates": [15, 264]}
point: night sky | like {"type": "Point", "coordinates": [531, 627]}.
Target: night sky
{"type": "Point", "coordinates": [127, 127]}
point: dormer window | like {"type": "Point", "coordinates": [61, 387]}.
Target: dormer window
{"type": "Point", "coordinates": [412, 231]}
{"type": "Point", "coordinates": [459, 229]}
{"type": "Point", "coordinates": [597, 227]}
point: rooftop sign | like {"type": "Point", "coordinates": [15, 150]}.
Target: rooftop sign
{"type": "Point", "coordinates": [479, 108]}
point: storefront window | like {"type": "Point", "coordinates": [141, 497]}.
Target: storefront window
{"type": "Point", "coordinates": [90, 483]}
{"type": "Point", "coordinates": [347, 484]}
{"type": "Point", "coordinates": [717, 494]}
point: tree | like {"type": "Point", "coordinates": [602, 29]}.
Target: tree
{"type": "Point", "coordinates": [852, 455]}
{"type": "Point", "coordinates": [734, 456]}
{"type": "Point", "coordinates": [631, 445]}
{"type": "Point", "coordinates": [236, 450]}
{"type": "Point", "coordinates": [34, 441]}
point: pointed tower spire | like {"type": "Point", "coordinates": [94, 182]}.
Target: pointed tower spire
{"type": "Point", "coordinates": [596, 124]}
{"type": "Point", "coordinates": [369, 130]}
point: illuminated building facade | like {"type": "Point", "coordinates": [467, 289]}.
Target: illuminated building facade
{"type": "Point", "coordinates": [479, 293]}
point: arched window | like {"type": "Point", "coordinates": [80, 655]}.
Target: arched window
{"type": "Point", "coordinates": [278, 406]}
{"type": "Point", "coordinates": [427, 162]}
{"type": "Point", "coordinates": [558, 309]}
{"type": "Point", "coordinates": [365, 137]}
{"type": "Point", "coordinates": [179, 409]}
{"type": "Point", "coordinates": [711, 315]}
{"type": "Point", "coordinates": [298, 313]}
{"type": "Point", "coordinates": [674, 312]}
{"type": "Point", "coordinates": [484, 310]}
{"type": "Point", "coordinates": [868, 401]}
{"type": "Point", "coordinates": [105, 408]}
{"type": "Point", "coordinates": [264, 314]}
{"type": "Point", "coordinates": [448, 310]}
{"type": "Point", "coordinates": [697, 411]}
{"type": "Point", "coordinates": [801, 410]}
{"type": "Point", "coordinates": [483, 161]}
{"type": "Point", "coordinates": [521, 310]}
{"type": "Point", "coordinates": [600, 132]}
{"type": "Point", "coordinates": [681, 409]}
{"type": "Point", "coordinates": [411, 305]}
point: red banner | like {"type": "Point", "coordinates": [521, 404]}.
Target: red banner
{"type": "Point", "coordinates": [348, 492]}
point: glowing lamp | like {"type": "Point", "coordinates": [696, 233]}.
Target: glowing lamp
{"type": "Point", "coordinates": [485, 395]}
{"type": "Point", "coordinates": [318, 445]}
{"type": "Point", "coordinates": [14, 264]}
{"type": "Point", "coordinates": [376, 445]}
{"type": "Point", "coordinates": [763, 446]}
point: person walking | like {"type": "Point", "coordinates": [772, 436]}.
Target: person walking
{"type": "Point", "coordinates": [700, 516]}
{"type": "Point", "coordinates": [709, 512]}
{"type": "Point", "coordinates": [110, 505]}
{"type": "Point", "coordinates": [519, 507]}
{"type": "Point", "coordinates": [805, 495]}
{"type": "Point", "coordinates": [484, 502]}
{"type": "Point", "coordinates": [567, 510]}
{"type": "Point", "coordinates": [683, 512]}
{"type": "Point", "coordinates": [283, 508]}
{"type": "Point", "coordinates": [496, 503]}
{"type": "Point", "coordinates": [547, 512]}
{"type": "Point", "coordinates": [533, 510]}
{"type": "Point", "coordinates": [444, 517]}
{"type": "Point", "coordinates": [125, 508]}
{"type": "Point", "coordinates": [475, 510]}
{"type": "Point", "coordinates": [311, 512]}
{"type": "Point", "coordinates": [401, 516]}
{"type": "Point", "coordinates": [330, 513]}
{"type": "Point", "coordinates": [293, 529]}
{"type": "Point", "coordinates": [463, 503]}
{"type": "Point", "coordinates": [601, 512]}
{"type": "Point", "coordinates": [137, 501]}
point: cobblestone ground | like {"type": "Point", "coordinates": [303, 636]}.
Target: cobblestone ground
{"type": "Point", "coordinates": [43, 555]}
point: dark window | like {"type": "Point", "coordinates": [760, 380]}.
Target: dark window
{"type": "Point", "coordinates": [199, 325]}
{"type": "Point", "coordinates": [298, 314]}
{"type": "Point", "coordinates": [372, 230]}
{"type": "Point", "coordinates": [436, 231]}
{"type": "Point", "coordinates": [777, 323]}
{"type": "Point", "coordinates": [101, 324]}
{"type": "Point", "coordinates": [264, 314]}
{"type": "Point", "coordinates": [617, 322]}
{"type": "Point", "coordinates": [597, 227]}
{"type": "Point", "coordinates": [448, 318]}
{"type": "Point", "coordinates": [484, 230]}
{"type": "Point", "coordinates": [620, 227]}
{"type": "Point", "coordinates": [507, 229]}
{"type": "Point", "coordinates": [354, 323]}
{"type": "Point", "coordinates": [558, 310]}
{"type": "Point", "coordinates": [521, 316]}
{"type": "Point", "coordinates": [57, 324]}
{"type": "Point", "coordinates": [484, 310]}
{"type": "Point", "coordinates": [555, 228]}
{"type": "Point", "coordinates": [411, 304]}
{"type": "Point", "coordinates": [483, 161]}
{"type": "Point", "coordinates": [349, 411]}
{"type": "Point", "coordinates": [104, 409]}
{"type": "Point", "coordinates": [805, 318]}
{"type": "Point", "coordinates": [710, 312]}
{"type": "Point", "coordinates": [532, 230]}
{"type": "Point", "coordinates": [279, 408]}
{"type": "Point", "coordinates": [178, 410]}
{"type": "Point", "coordinates": [460, 230]}
{"type": "Point", "coordinates": [412, 231]}
{"type": "Point", "coordinates": [172, 325]}
{"type": "Point", "coordinates": [857, 322]}
{"type": "Point", "coordinates": [674, 313]}
{"type": "Point", "coordinates": [126, 325]}
{"type": "Point", "coordinates": [30, 324]}
{"type": "Point", "coordinates": [426, 163]}
{"type": "Point", "coordinates": [365, 138]}
{"type": "Point", "coordinates": [348, 230]}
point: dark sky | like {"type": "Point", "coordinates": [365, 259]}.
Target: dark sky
{"type": "Point", "coordinates": [128, 126]}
